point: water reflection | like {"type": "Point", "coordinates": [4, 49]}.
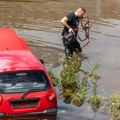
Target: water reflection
{"type": "Point", "coordinates": [38, 22]}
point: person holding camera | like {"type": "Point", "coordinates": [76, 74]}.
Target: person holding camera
{"type": "Point", "coordinates": [70, 31]}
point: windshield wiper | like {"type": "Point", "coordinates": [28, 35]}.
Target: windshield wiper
{"type": "Point", "coordinates": [33, 90]}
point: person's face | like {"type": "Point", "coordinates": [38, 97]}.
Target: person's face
{"type": "Point", "coordinates": [80, 13]}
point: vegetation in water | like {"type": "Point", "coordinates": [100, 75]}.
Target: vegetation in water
{"type": "Point", "coordinates": [77, 86]}
{"type": "Point", "coordinates": [113, 106]}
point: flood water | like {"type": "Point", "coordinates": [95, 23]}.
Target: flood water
{"type": "Point", "coordinates": [38, 22]}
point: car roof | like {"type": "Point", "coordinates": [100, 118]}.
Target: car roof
{"type": "Point", "coordinates": [15, 60]}
{"type": "Point", "coordinates": [9, 40]}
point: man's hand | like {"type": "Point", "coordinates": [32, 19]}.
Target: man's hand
{"type": "Point", "coordinates": [71, 31]}
{"type": "Point", "coordinates": [86, 16]}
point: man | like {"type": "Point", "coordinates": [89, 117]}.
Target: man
{"type": "Point", "coordinates": [70, 31]}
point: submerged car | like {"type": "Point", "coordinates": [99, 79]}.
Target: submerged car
{"type": "Point", "coordinates": [25, 85]}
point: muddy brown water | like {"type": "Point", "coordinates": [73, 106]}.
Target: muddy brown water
{"type": "Point", "coordinates": [38, 22]}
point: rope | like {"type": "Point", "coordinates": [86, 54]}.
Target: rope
{"type": "Point", "coordinates": [86, 27]}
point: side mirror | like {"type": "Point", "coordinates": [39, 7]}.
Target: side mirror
{"type": "Point", "coordinates": [42, 61]}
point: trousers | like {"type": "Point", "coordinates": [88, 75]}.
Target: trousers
{"type": "Point", "coordinates": [71, 47]}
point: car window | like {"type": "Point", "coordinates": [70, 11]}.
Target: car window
{"type": "Point", "coordinates": [22, 81]}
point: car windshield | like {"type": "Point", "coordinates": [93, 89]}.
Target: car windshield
{"type": "Point", "coordinates": [22, 81]}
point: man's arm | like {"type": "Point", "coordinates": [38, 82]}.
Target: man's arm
{"type": "Point", "coordinates": [64, 22]}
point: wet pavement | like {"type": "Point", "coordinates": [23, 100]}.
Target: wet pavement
{"type": "Point", "coordinates": [38, 22]}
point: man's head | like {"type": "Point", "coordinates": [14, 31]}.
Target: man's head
{"type": "Point", "coordinates": [80, 12]}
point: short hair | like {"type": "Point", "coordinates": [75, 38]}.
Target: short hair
{"type": "Point", "coordinates": [81, 8]}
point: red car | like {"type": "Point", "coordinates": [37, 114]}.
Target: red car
{"type": "Point", "coordinates": [25, 86]}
